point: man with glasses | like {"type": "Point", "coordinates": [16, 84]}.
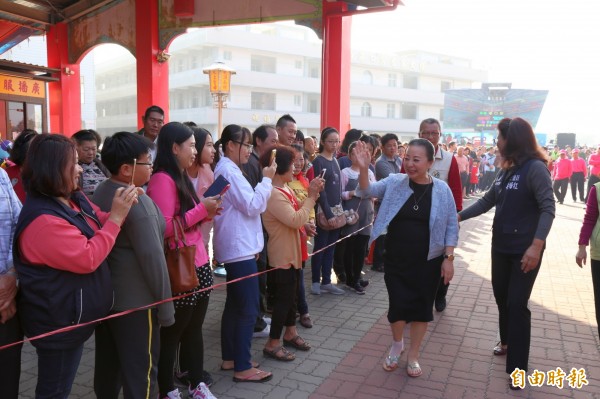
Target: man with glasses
{"type": "Point", "coordinates": [444, 168]}
{"type": "Point", "coordinates": [153, 120]}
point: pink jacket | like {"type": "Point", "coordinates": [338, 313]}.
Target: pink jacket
{"type": "Point", "coordinates": [562, 169]}
{"type": "Point", "coordinates": [579, 166]}
{"type": "Point", "coordinates": [594, 161]}
{"type": "Point", "coordinates": [163, 192]}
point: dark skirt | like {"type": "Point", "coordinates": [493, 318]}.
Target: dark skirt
{"type": "Point", "coordinates": [411, 289]}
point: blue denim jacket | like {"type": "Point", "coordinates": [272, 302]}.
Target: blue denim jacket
{"type": "Point", "coordinates": [395, 191]}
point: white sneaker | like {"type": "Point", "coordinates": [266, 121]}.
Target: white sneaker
{"type": "Point", "coordinates": [174, 394]}
{"type": "Point", "coordinates": [262, 334]}
{"type": "Point", "coordinates": [332, 289]}
{"type": "Point", "coordinates": [201, 392]}
{"type": "Point", "coordinates": [315, 289]}
{"type": "Point", "coordinates": [267, 320]}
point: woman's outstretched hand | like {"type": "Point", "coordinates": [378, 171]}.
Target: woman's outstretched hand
{"type": "Point", "coordinates": [362, 154]}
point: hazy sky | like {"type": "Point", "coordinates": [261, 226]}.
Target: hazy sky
{"type": "Point", "coordinates": [535, 44]}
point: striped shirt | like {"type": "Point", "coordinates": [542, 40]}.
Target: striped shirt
{"type": "Point", "coordinates": [10, 207]}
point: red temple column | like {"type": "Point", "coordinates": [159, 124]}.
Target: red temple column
{"type": "Point", "coordinates": [152, 75]}
{"type": "Point", "coordinates": [64, 96]}
{"type": "Point", "coordinates": [335, 80]}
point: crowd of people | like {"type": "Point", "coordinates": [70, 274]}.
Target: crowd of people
{"type": "Point", "coordinates": [102, 215]}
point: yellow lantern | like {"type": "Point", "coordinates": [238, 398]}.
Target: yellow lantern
{"type": "Point", "coordinates": [219, 77]}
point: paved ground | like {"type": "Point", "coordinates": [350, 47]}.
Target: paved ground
{"type": "Point", "coordinates": [351, 335]}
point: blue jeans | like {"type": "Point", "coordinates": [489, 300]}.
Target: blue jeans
{"type": "Point", "coordinates": [56, 372]}
{"type": "Point", "coordinates": [322, 262]}
{"type": "Point", "coordinates": [239, 314]}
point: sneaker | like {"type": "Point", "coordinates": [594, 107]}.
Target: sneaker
{"type": "Point", "coordinates": [363, 283]}
{"type": "Point", "coordinates": [262, 334]}
{"type": "Point", "coordinates": [174, 394]}
{"type": "Point", "coordinates": [201, 392]}
{"type": "Point", "coordinates": [359, 289]}
{"type": "Point", "coordinates": [267, 320]}
{"type": "Point", "coordinates": [332, 289]}
{"type": "Point", "coordinates": [315, 289]}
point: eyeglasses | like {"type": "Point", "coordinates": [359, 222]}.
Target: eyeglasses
{"type": "Point", "coordinates": [248, 146]}
{"type": "Point", "coordinates": [430, 134]}
{"type": "Point", "coordinates": [144, 163]}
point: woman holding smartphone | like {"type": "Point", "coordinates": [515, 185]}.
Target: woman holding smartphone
{"type": "Point", "coordinates": [325, 166]}
{"type": "Point", "coordinates": [238, 240]}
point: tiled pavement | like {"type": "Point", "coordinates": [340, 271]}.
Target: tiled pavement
{"type": "Point", "coordinates": [351, 335]}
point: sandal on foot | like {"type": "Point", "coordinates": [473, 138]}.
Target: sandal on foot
{"type": "Point", "coordinates": [253, 377]}
{"type": "Point", "coordinates": [391, 363]}
{"type": "Point", "coordinates": [413, 369]}
{"type": "Point", "coordinates": [500, 350]}
{"type": "Point", "coordinates": [285, 356]}
{"type": "Point", "coordinates": [303, 345]}
{"type": "Point", "coordinates": [254, 365]}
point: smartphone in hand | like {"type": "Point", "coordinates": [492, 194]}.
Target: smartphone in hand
{"type": "Point", "coordinates": [322, 174]}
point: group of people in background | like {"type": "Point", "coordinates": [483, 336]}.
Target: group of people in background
{"type": "Point", "coordinates": [101, 224]}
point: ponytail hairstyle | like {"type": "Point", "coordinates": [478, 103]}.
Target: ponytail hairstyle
{"type": "Point", "coordinates": [234, 133]}
{"type": "Point", "coordinates": [175, 133]}
{"type": "Point", "coordinates": [324, 134]}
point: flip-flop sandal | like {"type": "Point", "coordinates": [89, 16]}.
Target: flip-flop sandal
{"type": "Point", "coordinates": [304, 346]}
{"type": "Point", "coordinates": [390, 363]}
{"type": "Point", "coordinates": [254, 365]}
{"type": "Point", "coordinates": [286, 356]}
{"type": "Point", "coordinates": [251, 376]}
{"type": "Point", "coordinates": [413, 369]}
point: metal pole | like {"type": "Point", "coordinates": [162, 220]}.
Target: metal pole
{"type": "Point", "coordinates": [220, 116]}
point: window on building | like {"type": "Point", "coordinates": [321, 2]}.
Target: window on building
{"type": "Point", "coordinates": [227, 55]}
{"type": "Point", "coordinates": [313, 105]}
{"type": "Point", "coordinates": [367, 78]}
{"type": "Point", "coordinates": [297, 100]}
{"type": "Point", "coordinates": [195, 100]}
{"type": "Point", "coordinates": [391, 111]}
{"type": "Point", "coordinates": [180, 65]}
{"type": "Point", "coordinates": [298, 64]}
{"type": "Point", "coordinates": [410, 82]}
{"type": "Point", "coordinates": [409, 111]}
{"type": "Point", "coordinates": [261, 100]}
{"type": "Point", "coordinates": [314, 71]}
{"type": "Point", "coordinates": [365, 110]}
{"type": "Point", "coordinates": [261, 63]}
{"type": "Point", "coordinates": [194, 62]}
{"type": "Point", "coordinates": [445, 85]}
{"type": "Point", "coordinates": [392, 79]}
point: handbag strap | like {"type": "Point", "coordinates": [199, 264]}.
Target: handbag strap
{"type": "Point", "coordinates": [178, 228]}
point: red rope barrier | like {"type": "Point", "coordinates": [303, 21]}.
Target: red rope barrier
{"type": "Point", "coordinates": [151, 305]}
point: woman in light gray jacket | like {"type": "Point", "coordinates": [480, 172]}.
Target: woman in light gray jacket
{"type": "Point", "coordinates": [419, 214]}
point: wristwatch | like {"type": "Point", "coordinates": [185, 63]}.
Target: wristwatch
{"type": "Point", "coordinates": [450, 257]}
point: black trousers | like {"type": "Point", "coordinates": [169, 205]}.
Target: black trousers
{"type": "Point", "coordinates": [560, 189]}
{"type": "Point", "coordinates": [127, 350]}
{"type": "Point", "coordinates": [577, 183]}
{"type": "Point", "coordinates": [339, 257]}
{"type": "Point", "coordinates": [284, 309]}
{"type": "Point", "coordinates": [354, 257]}
{"type": "Point", "coordinates": [187, 330]}
{"type": "Point", "coordinates": [10, 359]}
{"type": "Point", "coordinates": [378, 251]}
{"type": "Point", "coordinates": [512, 289]}
{"type": "Point", "coordinates": [596, 283]}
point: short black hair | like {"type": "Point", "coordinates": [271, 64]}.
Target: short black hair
{"type": "Point", "coordinates": [121, 148]}
{"type": "Point", "coordinates": [387, 137]}
{"type": "Point", "coordinates": [299, 136]}
{"type": "Point", "coordinates": [261, 132]}
{"type": "Point", "coordinates": [426, 144]}
{"type": "Point", "coordinates": [87, 135]}
{"type": "Point", "coordinates": [283, 121]}
{"type": "Point", "coordinates": [153, 108]}
{"type": "Point", "coordinates": [20, 146]}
